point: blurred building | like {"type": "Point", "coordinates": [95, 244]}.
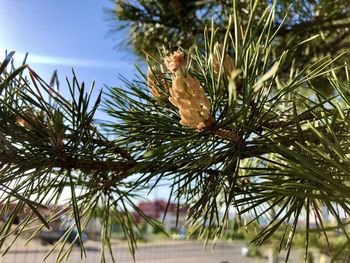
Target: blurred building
{"type": "Point", "coordinates": [171, 214]}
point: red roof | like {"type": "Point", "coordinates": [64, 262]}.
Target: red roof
{"type": "Point", "coordinates": [156, 209]}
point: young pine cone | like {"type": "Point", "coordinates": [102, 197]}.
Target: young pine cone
{"type": "Point", "coordinates": [194, 107]}
{"type": "Point", "coordinates": [188, 95]}
{"type": "Point", "coordinates": [227, 64]}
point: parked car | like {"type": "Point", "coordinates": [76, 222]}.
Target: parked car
{"type": "Point", "coordinates": [50, 237]}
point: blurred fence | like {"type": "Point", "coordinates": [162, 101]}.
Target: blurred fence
{"type": "Point", "coordinates": [172, 251]}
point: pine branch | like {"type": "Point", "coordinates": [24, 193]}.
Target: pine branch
{"type": "Point", "coordinates": [91, 165]}
{"type": "Point", "coordinates": [110, 145]}
{"type": "Point", "coordinates": [221, 143]}
{"type": "Point", "coordinates": [68, 163]}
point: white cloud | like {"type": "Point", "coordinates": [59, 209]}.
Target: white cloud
{"type": "Point", "coordinates": [71, 62]}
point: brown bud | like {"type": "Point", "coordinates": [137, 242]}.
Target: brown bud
{"type": "Point", "coordinates": [21, 122]}
{"type": "Point", "coordinates": [227, 64]}
{"type": "Point", "coordinates": [175, 61]}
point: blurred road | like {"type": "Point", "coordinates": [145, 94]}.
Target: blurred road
{"type": "Point", "coordinates": [164, 252]}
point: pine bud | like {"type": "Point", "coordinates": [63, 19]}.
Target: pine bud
{"type": "Point", "coordinates": [194, 107]}
{"type": "Point", "coordinates": [21, 122]}
{"type": "Point", "coordinates": [153, 81]}
{"type": "Point", "coordinates": [227, 64]}
{"type": "Point", "coordinates": [175, 61]}
{"type": "Point", "coordinates": [227, 61]}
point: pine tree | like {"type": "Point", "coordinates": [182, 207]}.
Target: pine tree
{"type": "Point", "coordinates": [235, 123]}
{"type": "Point", "coordinates": [174, 23]}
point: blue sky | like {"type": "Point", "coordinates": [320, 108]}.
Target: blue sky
{"type": "Point", "coordinates": [65, 34]}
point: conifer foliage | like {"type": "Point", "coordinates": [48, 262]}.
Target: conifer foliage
{"type": "Point", "coordinates": [235, 124]}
